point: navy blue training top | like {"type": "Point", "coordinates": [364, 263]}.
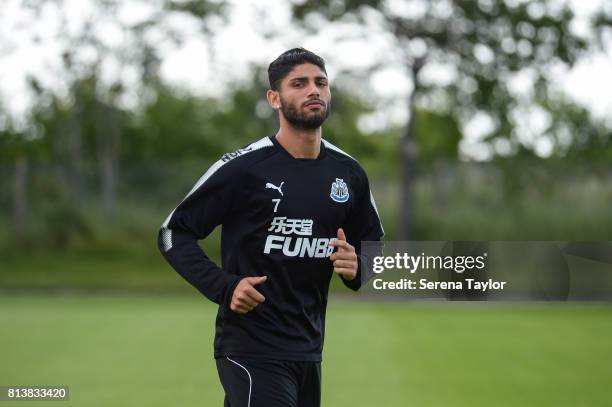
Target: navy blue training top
{"type": "Point", "coordinates": [278, 216]}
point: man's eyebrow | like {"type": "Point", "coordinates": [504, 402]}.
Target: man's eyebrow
{"type": "Point", "coordinates": [304, 78]}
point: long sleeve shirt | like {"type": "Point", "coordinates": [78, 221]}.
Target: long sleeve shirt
{"type": "Point", "coordinates": [278, 215]}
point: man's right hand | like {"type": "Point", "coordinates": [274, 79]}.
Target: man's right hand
{"type": "Point", "coordinates": [245, 296]}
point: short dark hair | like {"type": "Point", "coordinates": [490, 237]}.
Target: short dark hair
{"type": "Point", "coordinates": [281, 66]}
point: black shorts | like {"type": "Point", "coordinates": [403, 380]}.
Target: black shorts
{"type": "Point", "coordinates": [269, 383]}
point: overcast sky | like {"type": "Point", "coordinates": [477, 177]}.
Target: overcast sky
{"type": "Point", "coordinates": [239, 43]}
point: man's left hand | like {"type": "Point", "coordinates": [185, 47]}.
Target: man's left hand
{"type": "Point", "coordinates": [345, 258]}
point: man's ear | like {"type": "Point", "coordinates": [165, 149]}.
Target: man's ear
{"type": "Point", "coordinates": [273, 99]}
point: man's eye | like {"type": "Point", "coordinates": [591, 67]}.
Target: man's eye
{"type": "Point", "coordinates": [297, 84]}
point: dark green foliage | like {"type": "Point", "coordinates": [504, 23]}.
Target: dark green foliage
{"type": "Point", "coordinates": [437, 135]}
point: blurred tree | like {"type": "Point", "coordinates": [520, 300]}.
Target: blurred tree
{"type": "Point", "coordinates": [108, 58]}
{"type": "Point", "coordinates": [11, 148]}
{"type": "Point", "coordinates": [484, 44]}
{"type": "Point", "coordinates": [18, 147]}
{"type": "Point", "coordinates": [176, 124]}
{"type": "Point", "coordinates": [577, 134]}
{"type": "Point", "coordinates": [437, 135]}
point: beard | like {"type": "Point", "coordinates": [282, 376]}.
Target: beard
{"type": "Point", "coordinates": [304, 120]}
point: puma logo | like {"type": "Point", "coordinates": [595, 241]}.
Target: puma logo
{"type": "Point", "coordinates": [269, 185]}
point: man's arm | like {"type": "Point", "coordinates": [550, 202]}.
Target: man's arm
{"type": "Point", "coordinates": [208, 204]}
{"type": "Point", "coordinates": [362, 225]}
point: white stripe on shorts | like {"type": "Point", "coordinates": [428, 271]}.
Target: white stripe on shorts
{"type": "Point", "coordinates": [250, 380]}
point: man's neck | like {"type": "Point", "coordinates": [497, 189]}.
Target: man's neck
{"type": "Point", "coordinates": [298, 142]}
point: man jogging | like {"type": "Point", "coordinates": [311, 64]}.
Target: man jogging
{"type": "Point", "coordinates": [294, 209]}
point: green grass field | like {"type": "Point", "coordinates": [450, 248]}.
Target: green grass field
{"type": "Point", "coordinates": [157, 351]}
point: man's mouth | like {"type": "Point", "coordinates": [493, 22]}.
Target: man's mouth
{"type": "Point", "coordinates": [315, 103]}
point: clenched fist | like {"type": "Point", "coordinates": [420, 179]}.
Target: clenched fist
{"type": "Point", "coordinates": [245, 296]}
{"type": "Point", "coordinates": [345, 258]}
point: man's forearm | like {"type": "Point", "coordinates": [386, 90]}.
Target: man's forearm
{"type": "Point", "coordinates": [190, 261]}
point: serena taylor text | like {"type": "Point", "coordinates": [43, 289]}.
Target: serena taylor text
{"type": "Point", "coordinates": [424, 284]}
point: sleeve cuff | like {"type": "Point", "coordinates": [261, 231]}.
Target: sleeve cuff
{"type": "Point", "coordinates": [232, 282]}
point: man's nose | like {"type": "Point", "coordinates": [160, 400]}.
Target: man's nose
{"type": "Point", "coordinates": [314, 90]}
